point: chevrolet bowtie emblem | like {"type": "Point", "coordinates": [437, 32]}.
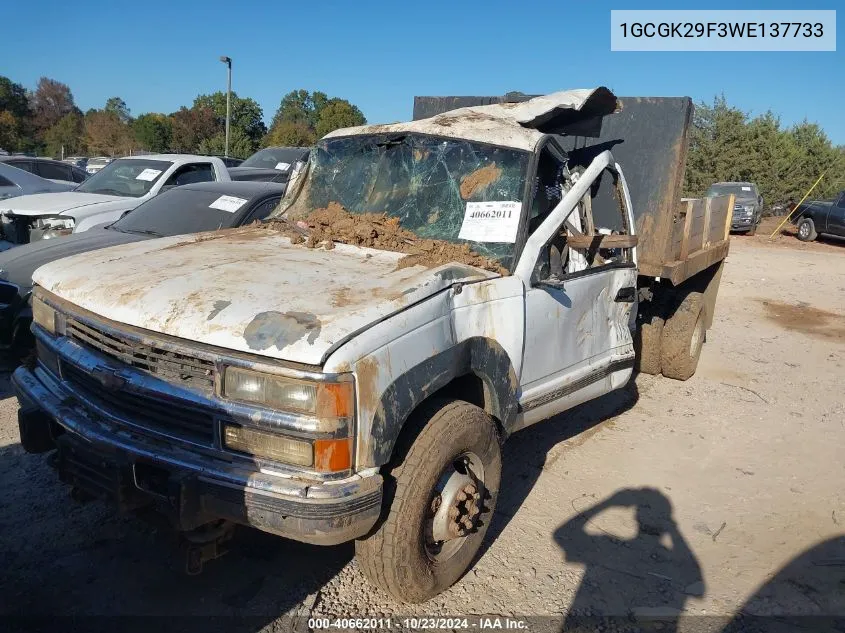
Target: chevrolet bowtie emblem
{"type": "Point", "coordinates": [108, 378]}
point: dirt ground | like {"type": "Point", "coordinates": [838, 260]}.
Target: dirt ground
{"type": "Point", "coordinates": [699, 498]}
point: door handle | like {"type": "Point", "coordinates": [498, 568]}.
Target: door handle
{"type": "Point", "coordinates": [626, 295]}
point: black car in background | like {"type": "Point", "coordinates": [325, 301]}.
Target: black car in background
{"type": "Point", "coordinates": [271, 164]}
{"type": "Point", "coordinates": [47, 168]}
{"type": "Point", "coordinates": [187, 209]}
{"type": "Point", "coordinates": [817, 217]}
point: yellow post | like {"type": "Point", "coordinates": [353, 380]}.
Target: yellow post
{"type": "Point", "coordinates": [789, 215]}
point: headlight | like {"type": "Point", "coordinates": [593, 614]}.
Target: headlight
{"type": "Point", "coordinates": [320, 400]}
{"type": "Point", "coordinates": [44, 315]}
{"type": "Point", "coordinates": [323, 400]}
{"type": "Point", "coordinates": [749, 210]}
{"type": "Point", "coordinates": [269, 445]}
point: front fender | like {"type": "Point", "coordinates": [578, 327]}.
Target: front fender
{"type": "Point", "coordinates": [479, 356]}
{"type": "Point", "coordinates": [98, 218]}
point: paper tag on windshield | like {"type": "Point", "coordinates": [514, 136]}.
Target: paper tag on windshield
{"type": "Point", "coordinates": [282, 166]}
{"type": "Point", "coordinates": [227, 203]}
{"type": "Point", "coordinates": [148, 175]}
{"type": "Point", "coordinates": [746, 188]}
{"type": "Point", "coordinates": [496, 221]}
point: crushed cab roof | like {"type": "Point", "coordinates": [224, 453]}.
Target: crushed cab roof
{"type": "Point", "coordinates": [517, 125]}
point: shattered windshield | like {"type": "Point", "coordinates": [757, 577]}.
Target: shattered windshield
{"type": "Point", "coordinates": [425, 182]}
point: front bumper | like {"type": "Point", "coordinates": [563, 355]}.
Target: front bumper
{"type": "Point", "coordinates": [742, 223]}
{"type": "Point", "coordinates": [136, 470]}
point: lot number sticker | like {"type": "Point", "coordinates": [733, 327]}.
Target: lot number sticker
{"type": "Point", "coordinates": [227, 203]}
{"type": "Point", "coordinates": [148, 174]}
{"type": "Point", "coordinates": [282, 166]}
{"type": "Point", "coordinates": [496, 221]}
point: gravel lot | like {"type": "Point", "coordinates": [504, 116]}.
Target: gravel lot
{"type": "Point", "coordinates": [665, 498]}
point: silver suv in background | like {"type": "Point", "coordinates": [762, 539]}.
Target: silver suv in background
{"type": "Point", "coordinates": [748, 204]}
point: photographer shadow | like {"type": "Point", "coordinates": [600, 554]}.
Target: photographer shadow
{"type": "Point", "coordinates": [645, 579]}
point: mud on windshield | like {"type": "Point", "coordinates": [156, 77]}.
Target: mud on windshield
{"type": "Point", "coordinates": [425, 182]}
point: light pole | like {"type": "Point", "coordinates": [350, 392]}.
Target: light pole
{"type": "Point", "coordinates": [228, 62]}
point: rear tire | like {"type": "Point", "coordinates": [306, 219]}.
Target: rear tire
{"type": "Point", "coordinates": [807, 230]}
{"type": "Point", "coordinates": [683, 338]}
{"type": "Point", "coordinates": [401, 556]}
{"type": "Point", "coordinates": [647, 345]}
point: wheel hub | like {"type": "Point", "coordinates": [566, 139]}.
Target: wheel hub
{"type": "Point", "coordinates": [457, 504]}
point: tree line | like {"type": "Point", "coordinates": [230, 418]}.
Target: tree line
{"type": "Point", "coordinates": [727, 144]}
{"type": "Point", "coordinates": [47, 121]}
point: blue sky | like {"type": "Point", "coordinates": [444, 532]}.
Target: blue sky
{"type": "Point", "coordinates": [160, 55]}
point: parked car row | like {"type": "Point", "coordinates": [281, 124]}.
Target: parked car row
{"type": "Point", "coordinates": [17, 182]}
{"type": "Point", "coordinates": [47, 168]}
{"type": "Point", "coordinates": [190, 208]}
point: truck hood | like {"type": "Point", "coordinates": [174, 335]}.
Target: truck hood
{"type": "Point", "coordinates": [248, 289]}
{"type": "Point", "coordinates": [69, 203]}
{"type": "Point", "coordinates": [17, 264]}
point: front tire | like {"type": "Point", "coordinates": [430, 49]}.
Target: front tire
{"type": "Point", "coordinates": [445, 480]}
{"type": "Point", "coordinates": [807, 230]}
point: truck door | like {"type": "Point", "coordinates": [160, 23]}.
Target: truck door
{"type": "Point", "coordinates": [580, 301]}
{"type": "Point", "coordinates": [836, 218]}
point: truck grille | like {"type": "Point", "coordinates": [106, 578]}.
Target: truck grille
{"type": "Point", "coordinates": [178, 368]}
{"type": "Point", "coordinates": [154, 412]}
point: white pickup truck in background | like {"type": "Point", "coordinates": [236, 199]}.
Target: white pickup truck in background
{"type": "Point", "coordinates": [118, 187]}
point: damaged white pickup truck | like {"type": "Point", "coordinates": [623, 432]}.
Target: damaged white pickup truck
{"type": "Point", "coordinates": [350, 368]}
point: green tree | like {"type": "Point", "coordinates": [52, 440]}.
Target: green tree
{"type": "Point", "coordinates": [726, 144]}
{"type": "Point", "coordinates": [246, 115]}
{"type": "Point", "coordinates": [13, 98]}
{"type": "Point", "coordinates": [12, 135]}
{"type": "Point", "coordinates": [153, 132]}
{"type": "Point", "coordinates": [240, 145]}
{"type": "Point", "coordinates": [300, 109]}
{"type": "Point", "coordinates": [290, 134]}
{"type": "Point", "coordinates": [336, 114]}
{"type": "Point", "coordinates": [117, 106]}
{"type": "Point", "coordinates": [67, 133]}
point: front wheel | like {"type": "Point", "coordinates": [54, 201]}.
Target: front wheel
{"type": "Point", "coordinates": [807, 230]}
{"type": "Point", "coordinates": [445, 481]}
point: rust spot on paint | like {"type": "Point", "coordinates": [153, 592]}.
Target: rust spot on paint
{"type": "Point", "coordinates": [366, 374]}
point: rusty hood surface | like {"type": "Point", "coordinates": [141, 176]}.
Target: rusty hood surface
{"type": "Point", "coordinates": [248, 289]}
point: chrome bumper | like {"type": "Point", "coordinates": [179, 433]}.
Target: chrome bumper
{"type": "Point", "coordinates": [199, 487]}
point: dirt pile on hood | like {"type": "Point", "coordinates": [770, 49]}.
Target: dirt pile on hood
{"type": "Point", "coordinates": [323, 227]}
